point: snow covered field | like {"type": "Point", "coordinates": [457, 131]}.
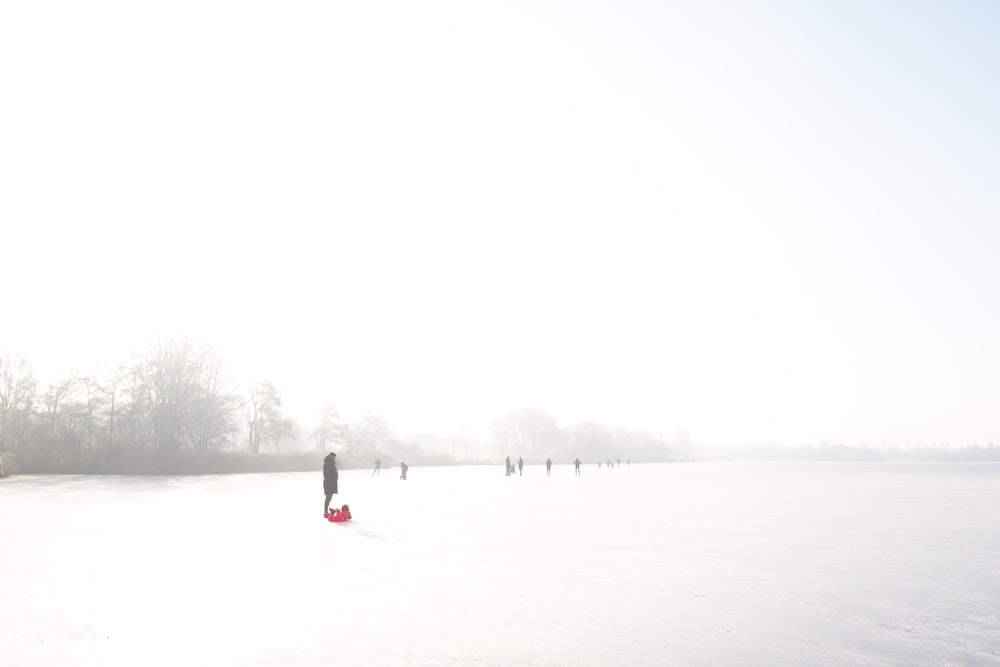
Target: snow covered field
{"type": "Point", "coordinates": [672, 564]}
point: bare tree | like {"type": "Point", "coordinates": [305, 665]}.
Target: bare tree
{"type": "Point", "coordinates": [17, 395]}
{"type": "Point", "coordinates": [262, 412]}
{"type": "Point", "coordinates": [90, 395]}
{"type": "Point", "coordinates": [592, 440]}
{"type": "Point", "coordinates": [214, 408]}
{"type": "Point", "coordinates": [363, 436]}
{"type": "Point", "coordinates": [66, 425]}
{"type": "Point", "coordinates": [57, 392]}
{"type": "Point", "coordinates": [109, 392]}
{"type": "Point", "coordinates": [526, 431]}
{"type": "Point", "coordinates": [283, 429]}
{"type": "Point", "coordinates": [329, 426]}
{"type": "Point", "coordinates": [179, 388]}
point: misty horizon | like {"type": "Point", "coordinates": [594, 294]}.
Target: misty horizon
{"type": "Point", "coordinates": [482, 439]}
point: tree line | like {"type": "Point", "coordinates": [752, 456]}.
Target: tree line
{"type": "Point", "coordinates": [174, 408]}
{"type": "Point", "coordinates": [536, 435]}
{"type": "Point", "coordinates": [162, 410]}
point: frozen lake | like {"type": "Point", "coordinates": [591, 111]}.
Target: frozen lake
{"type": "Point", "coordinates": [667, 564]}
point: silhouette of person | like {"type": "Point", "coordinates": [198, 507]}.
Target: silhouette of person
{"type": "Point", "coordinates": [548, 467]}
{"type": "Point", "coordinates": [378, 468]}
{"type": "Point", "coordinates": [619, 464]}
{"type": "Point", "coordinates": [520, 466]}
{"type": "Point", "coordinates": [329, 480]}
{"type": "Point", "coordinates": [508, 466]}
{"type": "Point", "coordinates": [576, 463]}
{"type": "Point", "coordinates": [402, 470]}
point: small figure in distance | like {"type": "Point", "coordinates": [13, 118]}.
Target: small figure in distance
{"type": "Point", "coordinates": [402, 470]}
{"type": "Point", "coordinates": [378, 468]}
{"type": "Point", "coordinates": [548, 467]}
{"type": "Point", "coordinates": [520, 466]}
{"type": "Point", "coordinates": [329, 480]}
{"type": "Point", "coordinates": [507, 466]}
{"type": "Point", "coordinates": [576, 463]}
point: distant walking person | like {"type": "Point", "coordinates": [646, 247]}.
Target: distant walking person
{"type": "Point", "coordinates": [548, 467]}
{"type": "Point", "coordinates": [576, 463]}
{"type": "Point", "coordinates": [402, 470]}
{"type": "Point", "coordinates": [378, 468]}
{"type": "Point", "coordinates": [329, 481]}
{"type": "Point", "coordinates": [508, 465]}
{"type": "Point", "coordinates": [520, 466]}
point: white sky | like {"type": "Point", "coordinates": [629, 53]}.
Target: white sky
{"type": "Point", "coordinates": [770, 221]}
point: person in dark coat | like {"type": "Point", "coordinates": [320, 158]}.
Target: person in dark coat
{"type": "Point", "coordinates": [329, 480]}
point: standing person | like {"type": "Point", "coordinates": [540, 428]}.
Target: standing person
{"type": "Point", "coordinates": [577, 464]}
{"type": "Point", "coordinates": [548, 467]}
{"type": "Point", "coordinates": [508, 466]}
{"type": "Point", "coordinates": [378, 468]}
{"type": "Point", "coordinates": [329, 481]}
{"type": "Point", "coordinates": [402, 470]}
{"type": "Point", "coordinates": [520, 466]}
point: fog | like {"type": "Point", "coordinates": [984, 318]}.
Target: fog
{"type": "Point", "coordinates": [234, 236]}
{"type": "Point", "coordinates": [670, 564]}
{"type": "Point", "coordinates": [753, 223]}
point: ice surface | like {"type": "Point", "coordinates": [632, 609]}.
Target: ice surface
{"type": "Point", "coordinates": [668, 564]}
